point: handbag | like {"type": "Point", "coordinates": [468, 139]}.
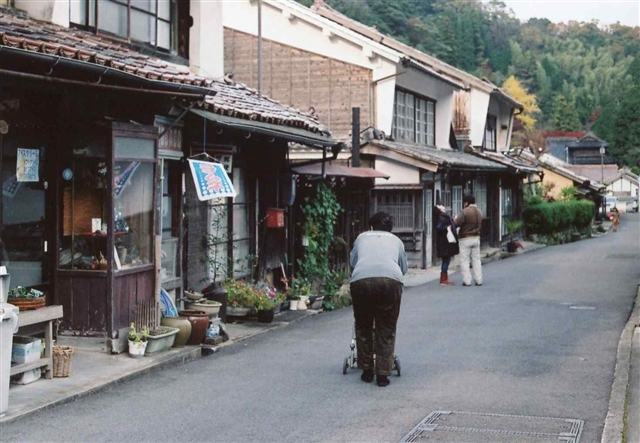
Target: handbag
{"type": "Point", "coordinates": [450, 237]}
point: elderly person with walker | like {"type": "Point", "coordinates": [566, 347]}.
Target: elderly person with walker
{"type": "Point", "coordinates": [379, 263]}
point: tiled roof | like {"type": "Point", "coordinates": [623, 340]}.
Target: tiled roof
{"type": "Point", "coordinates": [594, 172]}
{"type": "Point", "coordinates": [454, 159]}
{"type": "Point", "coordinates": [556, 145]}
{"type": "Point", "coordinates": [558, 166]}
{"type": "Point", "coordinates": [512, 162]}
{"type": "Point", "coordinates": [20, 32]}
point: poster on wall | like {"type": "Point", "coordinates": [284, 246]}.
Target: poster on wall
{"type": "Point", "coordinates": [121, 180]}
{"type": "Point", "coordinates": [28, 165]}
{"type": "Point", "coordinates": [211, 180]}
{"type": "Point", "coordinates": [10, 187]}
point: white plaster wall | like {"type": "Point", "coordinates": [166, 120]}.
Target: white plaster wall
{"type": "Point", "coordinates": [479, 104]}
{"type": "Point", "coordinates": [503, 113]}
{"type": "Point", "coordinates": [428, 86]}
{"type": "Point", "coordinates": [206, 48]}
{"type": "Point", "coordinates": [301, 28]}
{"type": "Point", "coordinates": [384, 97]}
{"type": "Point", "coordinates": [623, 185]}
{"type": "Point", "coordinates": [53, 11]}
{"type": "Point", "coordinates": [399, 173]}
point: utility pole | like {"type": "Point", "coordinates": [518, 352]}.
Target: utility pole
{"type": "Point", "coordinates": [260, 48]}
{"type": "Point", "coordinates": [602, 151]}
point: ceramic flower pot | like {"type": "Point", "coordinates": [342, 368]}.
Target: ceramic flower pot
{"type": "Point", "coordinates": [136, 350]}
{"type": "Point", "coordinates": [163, 340]}
{"type": "Point", "coordinates": [212, 308]}
{"type": "Point", "coordinates": [184, 326]}
{"type": "Point", "coordinates": [266, 316]}
{"type": "Point", "coordinates": [238, 311]}
{"type": "Point", "coordinates": [293, 305]}
{"type": "Point", "coordinates": [302, 303]}
{"type": "Point", "coordinates": [199, 323]}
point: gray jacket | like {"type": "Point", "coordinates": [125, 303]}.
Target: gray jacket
{"type": "Point", "coordinates": [378, 254]}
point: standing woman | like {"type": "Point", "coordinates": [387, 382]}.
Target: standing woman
{"type": "Point", "coordinates": [616, 218]}
{"type": "Point", "coordinates": [379, 263]}
{"type": "Point", "coordinates": [446, 242]}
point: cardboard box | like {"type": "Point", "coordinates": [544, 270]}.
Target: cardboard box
{"type": "Point", "coordinates": [26, 349]}
{"type": "Point", "coordinates": [27, 377]}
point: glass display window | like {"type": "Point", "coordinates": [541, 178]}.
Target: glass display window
{"type": "Point", "coordinates": [133, 202]}
{"type": "Point", "coordinates": [84, 197]}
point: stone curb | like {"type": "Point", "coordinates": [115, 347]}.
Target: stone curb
{"type": "Point", "coordinates": [614, 425]}
{"type": "Point", "coordinates": [173, 360]}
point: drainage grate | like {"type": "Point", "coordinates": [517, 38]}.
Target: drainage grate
{"type": "Point", "coordinates": [471, 427]}
{"type": "Point", "coordinates": [624, 256]}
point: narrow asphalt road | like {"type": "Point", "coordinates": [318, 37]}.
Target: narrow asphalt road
{"type": "Point", "coordinates": [538, 339]}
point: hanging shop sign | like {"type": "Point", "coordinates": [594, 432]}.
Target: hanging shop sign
{"type": "Point", "coordinates": [211, 180]}
{"type": "Point", "coordinates": [27, 165]}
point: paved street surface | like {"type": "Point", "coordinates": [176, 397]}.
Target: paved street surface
{"type": "Point", "coordinates": [539, 339]}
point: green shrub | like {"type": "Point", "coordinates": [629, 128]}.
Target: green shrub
{"type": "Point", "coordinates": [550, 218]}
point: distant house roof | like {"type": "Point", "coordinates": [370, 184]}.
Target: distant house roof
{"type": "Point", "coordinates": [594, 172]}
{"type": "Point", "coordinates": [21, 36]}
{"type": "Point", "coordinates": [437, 158]}
{"type": "Point", "coordinates": [553, 164]}
{"type": "Point", "coordinates": [589, 140]}
{"type": "Point", "coordinates": [556, 145]}
{"type": "Point", "coordinates": [623, 173]}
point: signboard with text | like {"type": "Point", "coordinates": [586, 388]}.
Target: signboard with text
{"type": "Point", "coordinates": [211, 180]}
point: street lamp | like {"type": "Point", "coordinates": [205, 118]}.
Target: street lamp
{"type": "Point", "coordinates": [602, 152]}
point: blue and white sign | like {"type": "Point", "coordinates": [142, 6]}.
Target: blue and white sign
{"type": "Point", "coordinates": [67, 174]}
{"type": "Point", "coordinates": [211, 180]}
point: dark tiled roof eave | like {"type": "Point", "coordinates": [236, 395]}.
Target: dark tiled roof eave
{"type": "Point", "coordinates": [444, 158]}
{"type": "Point", "coordinates": [19, 32]}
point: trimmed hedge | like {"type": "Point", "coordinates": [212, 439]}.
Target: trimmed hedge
{"type": "Point", "coordinates": [551, 218]}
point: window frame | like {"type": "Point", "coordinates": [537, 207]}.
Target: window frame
{"type": "Point", "coordinates": [414, 132]}
{"type": "Point", "coordinates": [92, 14]}
{"type": "Point", "coordinates": [494, 131]}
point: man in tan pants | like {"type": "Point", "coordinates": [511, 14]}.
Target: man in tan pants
{"type": "Point", "coordinates": [470, 223]}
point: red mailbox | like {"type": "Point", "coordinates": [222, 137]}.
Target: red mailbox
{"type": "Point", "coordinates": [275, 218]}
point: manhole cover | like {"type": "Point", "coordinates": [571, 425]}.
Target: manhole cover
{"type": "Point", "coordinates": [471, 427]}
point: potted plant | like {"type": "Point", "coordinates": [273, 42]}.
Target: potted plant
{"type": "Point", "coordinates": [512, 226]}
{"type": "Point", "coordinates": [212, 308]}
{"type": "Point", "coordinates": [26, 299]}
{"type": "Point", "coordinates": [264, 303]}
{"type": "Point", "coordinates": [301, 290]}
{"type": "Point", "coordinates": [161, 339]}
{"type": "Point", "coordinates": [240, 296]}
{"type": "Point", "coordinates": [138, 341]}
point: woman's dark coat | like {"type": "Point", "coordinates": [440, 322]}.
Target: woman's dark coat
{"type": "Point", "coordinates": [443, 247]}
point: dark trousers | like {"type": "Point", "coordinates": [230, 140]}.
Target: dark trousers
{"type": "Point", "coordinates": [376, 305]}
{"type": "Point", "coordinates": [445, 264]}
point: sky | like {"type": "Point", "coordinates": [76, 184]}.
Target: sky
{"type": "Point", "coordinates": [627, 12]}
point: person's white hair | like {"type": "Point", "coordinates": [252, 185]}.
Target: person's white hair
{"type": "Point", "coordinates": [442, 208]}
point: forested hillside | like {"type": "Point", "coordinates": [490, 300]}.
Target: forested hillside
{"type": "Point", "coordinates": [572, 69]}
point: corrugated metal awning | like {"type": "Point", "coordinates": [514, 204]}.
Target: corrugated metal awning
{"type": "Point", "coordinates": [339, 171]}
{"type": "Point", "coordinates": [399, 187]}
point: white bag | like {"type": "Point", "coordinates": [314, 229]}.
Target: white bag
{"type": "Point", "coordinates": [450, 237]}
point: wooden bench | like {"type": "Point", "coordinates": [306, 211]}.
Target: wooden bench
{"type": "Point", "coordinates": [43, 315]}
